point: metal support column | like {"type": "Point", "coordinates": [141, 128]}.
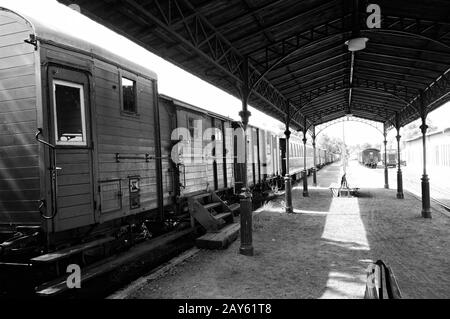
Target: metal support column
{"type": "Point", "coordinates": [386, 172]}
{"type": "Point", "coordinates": [399, 171]}
{"type": "Point", "coordinates": [246, 247]}
{"type": "Point", "coordinates": [426, 207]}
{"type": "Point", "coordinates": [287, 178]}
{"type": "Point", "coordinates": [315, 157]}
{"type": "Point", "coordinates": [305, 172]}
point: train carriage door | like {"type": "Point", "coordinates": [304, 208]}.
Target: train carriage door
{"type": "Point", "coordinates": [250, 166]}
{"type": "Point", "coordinates": [212, 153]}
{"type": "Point", "coordinates": [283, 155]}
{"type": "Point", "coordinates": [69, 124]}
{"type": "Point", "coordinates": [194, 177]}
{"type": "Point", "coordinates": [263, 153]}
{"type": "Point", "coordinates": [277, 155]}
{"type": "Point", "coordinates": [229, 153]}
{"type": "Point", "coordinates": [171, 178]}
{"type": "Point", "coordinates": [219, 172]}
{"type": "Point", "coordinates": [209, 163]}
{"type": "Point", "coordinates": [254, 150]}
{"type": "Point", "coordinates": [258, 154]}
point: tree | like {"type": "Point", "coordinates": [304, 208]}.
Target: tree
{"type": "Point", "coordinates": [331, 145]}
{"type": "Point", "coordinates": [366, 146]}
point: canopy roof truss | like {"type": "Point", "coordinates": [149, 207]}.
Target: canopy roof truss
{"type": "Point", "coordinates": [297, 58]}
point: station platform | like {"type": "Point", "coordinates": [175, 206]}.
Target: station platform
{"type": "Point", "coordinates": [323, 249]}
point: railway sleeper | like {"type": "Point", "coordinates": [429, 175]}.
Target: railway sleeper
{"type": "Point", "coordinates": [121, 267]}
{"type": "Point", "coordinates": [26, 263]}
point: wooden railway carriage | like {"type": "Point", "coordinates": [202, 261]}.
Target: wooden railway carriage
{"type": "Point", "coordinates": [80, 140]}
{"type": "Point", "coordinates": [262, 156]}
{"type": "Point", "coordinates": [296, 156]}
{"type": "Point", "coordinates": [202, 145]}
{"type": "Point", "coordinates": [321, 156]}
{"type": "Point", "coordinates": [391, 157]}
{"type": "Point", "coordinates": [369, 157]}
{"type": "Point", "coordinates": [270, 154]}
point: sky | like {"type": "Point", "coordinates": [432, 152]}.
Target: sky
{"type": "Point", "coordinates": [177, 83]}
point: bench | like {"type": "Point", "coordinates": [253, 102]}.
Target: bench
{"type": "Point", "coordinates": [338, 191]}
{"type": "Point", "coordinates": [381, 282]}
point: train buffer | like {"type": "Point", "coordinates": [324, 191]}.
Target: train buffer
{"type": "Point", "coordinates": [339, 191]}
{"type": "Point", "coordinates": [217, 218]}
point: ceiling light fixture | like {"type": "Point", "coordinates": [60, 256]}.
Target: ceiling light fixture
{"type": "Point", "coordinates": [356, 44]}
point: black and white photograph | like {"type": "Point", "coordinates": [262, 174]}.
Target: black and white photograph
{"type": "Point", "coordinates": [220, 157]}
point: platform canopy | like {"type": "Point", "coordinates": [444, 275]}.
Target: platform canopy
{"type": "Point", "coordinates": [296, 53]}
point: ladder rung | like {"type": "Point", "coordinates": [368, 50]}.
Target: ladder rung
{"type": "Point", "coordinates": [222, 215]}
{"type": "Point", "coordinates": [200, 196]}
{"type": "Point", "coordinates": [212, 205]}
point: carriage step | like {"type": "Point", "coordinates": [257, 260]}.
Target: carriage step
{"type": "Point", "coordinates": [235, 208]}
{"type": "Point", "coordinates": [200, 196]}
{"type": "Point", "coordinates": [60, 254]}
{"type": "Point", "coordinates": [221, 239]}
{"type": "Point", "coordinates": [212, 205]}
{"type": "Point", "coordinates": [222, 215]}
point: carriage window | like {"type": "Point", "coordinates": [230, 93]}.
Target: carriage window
{"type": "Point", "coordinates": [69, 113]}
{"type": "Point", "coordinates": [129, 95]}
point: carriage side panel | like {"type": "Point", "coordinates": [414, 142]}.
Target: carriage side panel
{"type": "Point", "coordinates": [264, 153]}
{"type": "Point", "coordinates": [229, 153]}
{"type": "Point", "coordinates": [194, 177]}
{"type": "Point", "coordinates": [167, 115]}
{"type": "Point", "coordinates": [19, 151]}
{"type": "Point", "coordinates": [129, 135]}
{"type": "Point", "coordinates": [219, 154]}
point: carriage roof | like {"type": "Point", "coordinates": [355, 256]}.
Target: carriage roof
{"type": "Point", "coordinates": [44, 31]}
{"type": "Point", "coordinates": [371, 150]}
{"type": "Point", "coordinates": [194, 108]}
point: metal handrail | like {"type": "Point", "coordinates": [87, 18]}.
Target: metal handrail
{"type": "Point", "coordinates": [146, 157]}
{"type": "Point", "coordinates": [39, 132]}
{"type": "Point", "coordinates": [53, 169]}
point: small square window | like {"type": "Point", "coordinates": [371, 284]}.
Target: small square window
{"type": "Point", "coordinates": [129, 95]}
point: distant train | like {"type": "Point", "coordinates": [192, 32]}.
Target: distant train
{"type": "Point", "coordinates": [87, 152]}
{"type": "Point", "coordinates": [391, 158]}
{"type": "Point", "coordinates": [369, 157]}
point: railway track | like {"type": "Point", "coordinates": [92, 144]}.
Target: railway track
{"type": "Point", "coordinates": [440, 194]}
{"type": "Point", "coordinates": [414, 188]}
{"type": "Point", "coordinates": [442, 204]}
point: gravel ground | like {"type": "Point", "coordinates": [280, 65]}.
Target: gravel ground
{"type": "Point", "coordinates": [323, 249]}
